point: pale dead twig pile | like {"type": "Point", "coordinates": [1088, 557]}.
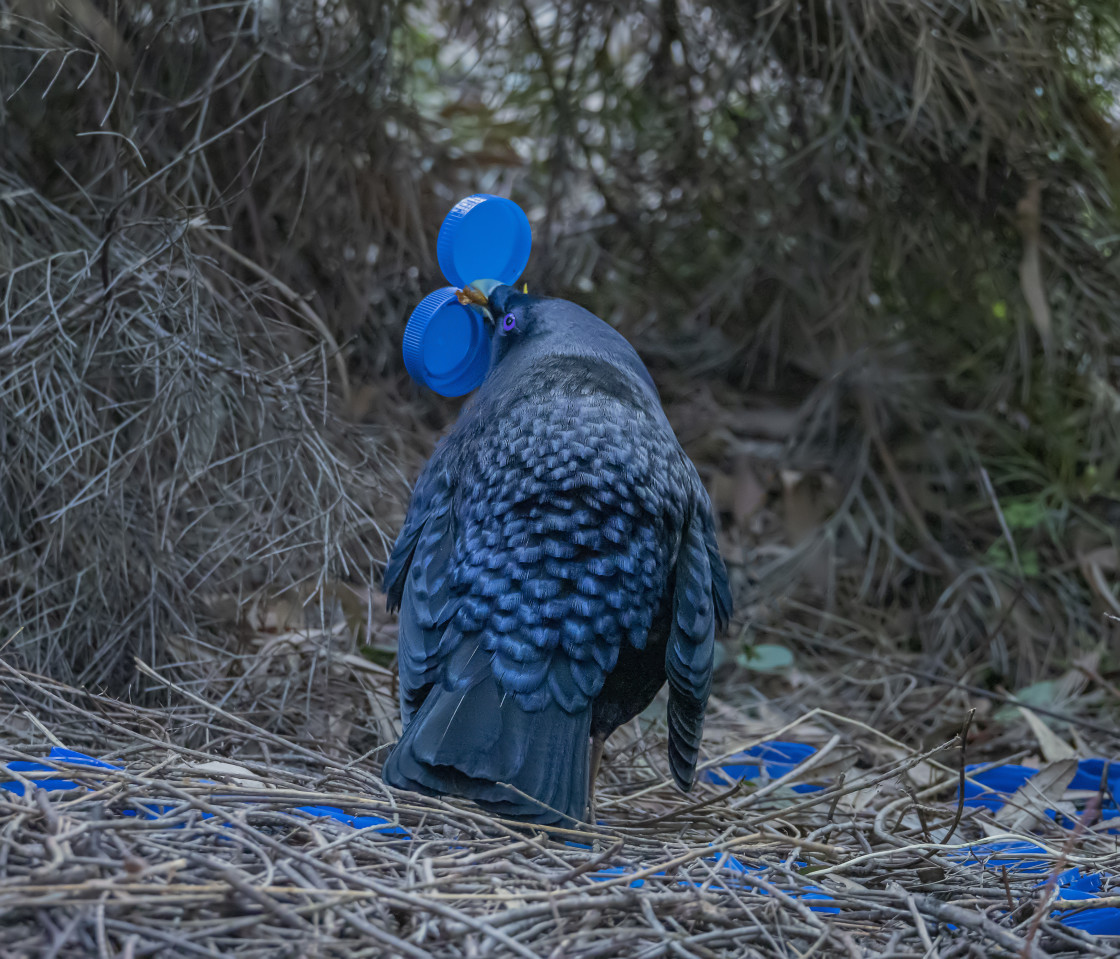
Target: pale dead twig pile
{"type": "Point", "coordinates": [867, 252]}
{"type": "Point", "coordinates": [230, 868]}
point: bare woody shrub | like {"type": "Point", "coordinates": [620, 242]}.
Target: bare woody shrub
{"type": "Point", "coordinates": [169, 407]}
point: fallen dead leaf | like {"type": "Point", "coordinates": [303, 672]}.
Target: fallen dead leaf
{"type": "Point", "coordinates": [1029, 212]}
{"type": "Point", "coordinates": [1052, 747]}
{"type": "Point", "coordinates": [1094, 565]}
{"type": "Point", "coordinates": [1027, 807]}
{"type": "Point", "coordinates": [750, 493]}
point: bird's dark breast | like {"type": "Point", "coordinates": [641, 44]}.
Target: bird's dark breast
{"type": "Point", "coordinates": [568, 528]}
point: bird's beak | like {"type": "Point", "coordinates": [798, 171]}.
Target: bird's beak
{"type": "Point", "coordinates": [477, 295]}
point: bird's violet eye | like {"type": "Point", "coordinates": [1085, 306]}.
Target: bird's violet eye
{"type": "Point", "coordinates": [509, 321]}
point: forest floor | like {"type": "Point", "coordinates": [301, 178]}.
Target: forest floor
{"type": "Point", "coordinates": [814, 830]}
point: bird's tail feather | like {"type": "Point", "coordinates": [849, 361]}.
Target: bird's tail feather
{"type": "Point", "coordinates": [472, 740]}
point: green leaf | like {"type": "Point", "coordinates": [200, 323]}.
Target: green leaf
{"type": "Point", "coordinates": [999, 557]}
{"type": "Point", "coordinates": [1024, 513]}
{"type": "Point", "coordinates": [765, 658]}
{"type": "Point", "coordinates": [1044, 693]}
{"type": "Point", "coordinates": [378, 654]}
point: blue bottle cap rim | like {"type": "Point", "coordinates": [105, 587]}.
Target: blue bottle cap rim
{"type": "Point", "coordinates": [484, 237]}
{"type": "Point", "coordinates": [446, 345]}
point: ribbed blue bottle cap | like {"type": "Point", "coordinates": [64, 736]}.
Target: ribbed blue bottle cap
{"type": "Point", "coordinates": [446, 346]}
{"type": "Point", "coordinates": [484, 237]}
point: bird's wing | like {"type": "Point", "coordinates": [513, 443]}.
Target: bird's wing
{"type": "Point", "coordinates": [432, 491]}
{"type": "Point", "coordinates": [701, 604]}
{"type": "Point", "coordinates": [721, 587]}
{"type": "Point", "coordinates": [418, 579]}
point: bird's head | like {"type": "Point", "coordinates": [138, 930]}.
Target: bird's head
{"type": "Point", "coordinates": [526, 328]}
{"type": "Point", "coordinates": [514, 317]}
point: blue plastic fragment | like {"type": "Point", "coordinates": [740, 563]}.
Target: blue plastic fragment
{"type": "Point", "coordinates": [358, 822]}
{"type": "Point", "coordinates": [731, 864]}
{"type": "Point", "coordinates": [775, 757]}
{"type": "Point", "coordinates": [1072, 884]}
{"type": "Point", "coordinates": [1099, 922]}
{"type": "Point", "coordinates": [612, 872]}
{"type": "Point", "coordinates": [156, 811]}
{"type": "Point", "coordinates": [991, 787]}
{"type": "Point", "coordinates": [51, 785]}
{"type": "Point", "coordinates": [814, 893]}
{"type": "Point", "coordinates": [1007, 854]}
{"type": "Point", "coordinates": [1089, 773]}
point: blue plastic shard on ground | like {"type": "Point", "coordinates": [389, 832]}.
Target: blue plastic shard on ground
{"type": "Point", "coordinates": [613, 872]}
{"type": "Point", "coordinates": [1072, 883]}
{"type": "Point", "coordinates": [157, 811]}
{"type": "Point", "coordinates": [358, 822]}
{"type": "Point", "coordinates": [992, 787]}
{"type": "Point", "coordinates": [809, 893]}
{"type": "Point", "coordinates": [722, 860]}
{"type": "Point", "coordinates": [775, 758]}
{"type": "Point", "coordinates": [1099, 922]}
{"type": "Point", "coordinates": [1017, 855]}
{"type": "Point", "coordinates": [58, 752]}
{"type": "Point", "coordinates": [1090, 773]}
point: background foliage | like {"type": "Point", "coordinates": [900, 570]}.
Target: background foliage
{"type": "Point", "coordinates": [867, 248]}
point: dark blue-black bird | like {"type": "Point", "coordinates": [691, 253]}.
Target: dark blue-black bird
{"type": "Point", "coordinates": [557, 564]}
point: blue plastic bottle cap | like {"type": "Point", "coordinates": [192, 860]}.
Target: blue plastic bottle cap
{"type": "Point", "coordinates": [484, 237]}
{"type": "Point", "coordinates": [446, 346]}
